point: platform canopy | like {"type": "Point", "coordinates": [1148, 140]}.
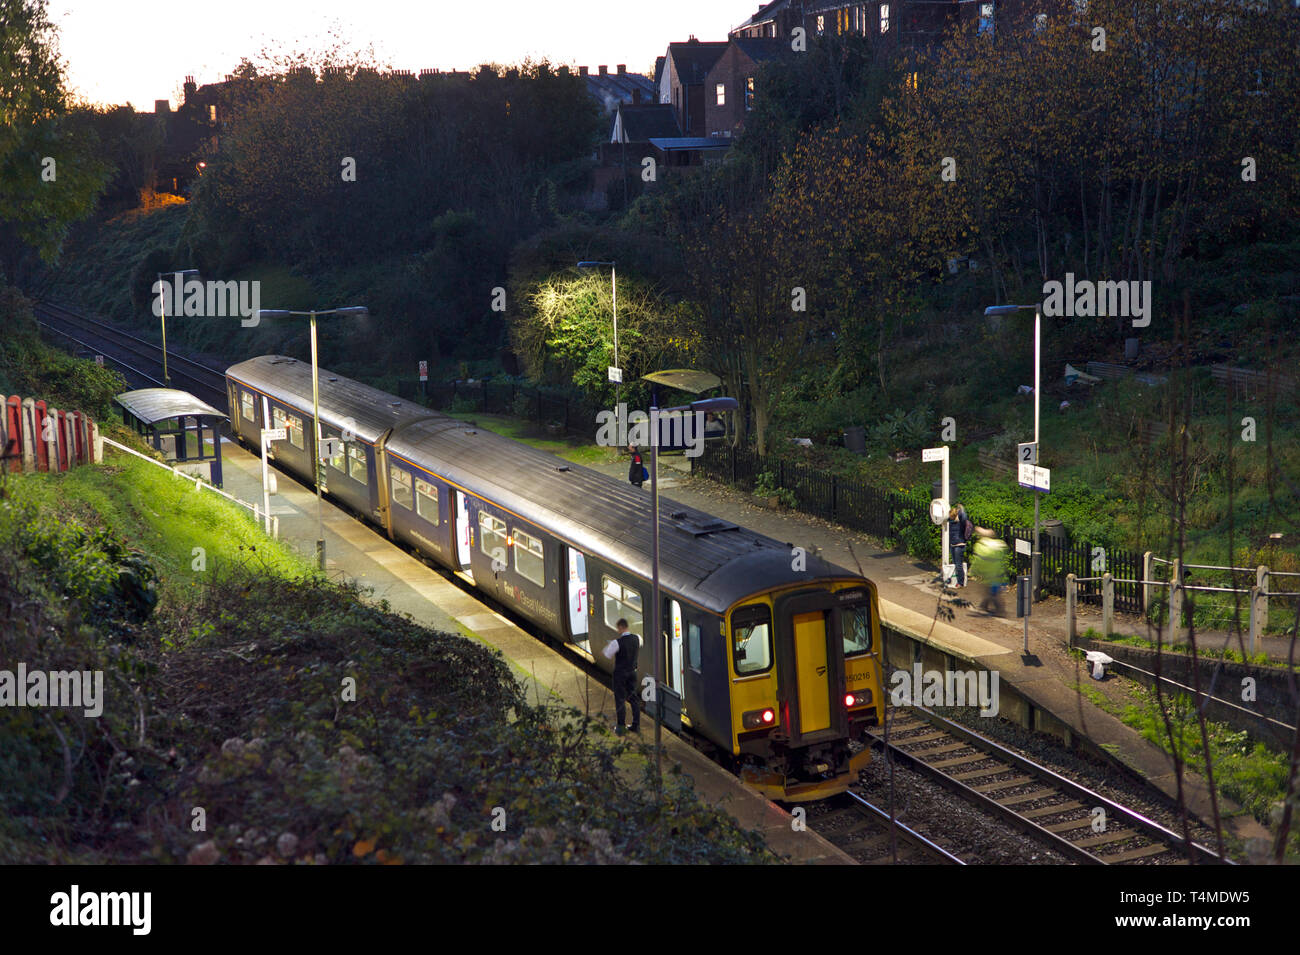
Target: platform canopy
{"type": "Point", "coordinates": [151, 405]}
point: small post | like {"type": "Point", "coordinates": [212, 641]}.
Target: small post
{"type": "Point", "coordinates": [1255, 601]}
{"type": "Point", "coordinates": [1261, 581]}
{"type": "Point", "coordinates": [1071, 595]}
{"type": "Point", "coordinates": [1176, 597]}
{"type": "Point", "coordinates": [1148, 565]}
{"type": "Point", "coordinates": [1107, 604]}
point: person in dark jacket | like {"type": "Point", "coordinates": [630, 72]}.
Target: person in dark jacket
{"type": "Point", "coordinates": [635, 470]}
{"type": "Point", "coordinates": [623, 651]}
{"type": "Point", "coordinates": [957, 541]}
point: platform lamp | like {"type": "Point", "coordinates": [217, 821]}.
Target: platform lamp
{"type": "Point", "coordinates": [162, 311]}
{"type": "Point", "coordinates": [706, 406]}
{"type": "Point", "coordinates": [359, 311]}
{"type": "Point", "coordinates": [613, 284]}
{"type": "Point", "coordinates": [1035, 560]}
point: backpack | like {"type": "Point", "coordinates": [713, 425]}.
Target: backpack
{"type": "Point", "coordinates": [968, 529]}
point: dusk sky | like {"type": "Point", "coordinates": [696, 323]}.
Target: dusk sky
{"type": "Point", "coordinates": [141, 50]}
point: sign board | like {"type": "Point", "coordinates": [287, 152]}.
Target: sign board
{"type": "Point", "coordinates": [938, 510]}
{"type": "Point", "coordinates": [1024, 547]}
{"type": "Point", "coordinates": [329, 448]}
{"type": "Point", "coordinates": [615, 375]}
{"type": "Point", "coordinates": [275, 434]}
{"type": "Point", "coordinates": [1027, 453]}
{"type": "Point", "coordinates": [99, 360]}
{"type": "Point", "coordinates": [934, 454]}
{"type": "Point", "coordinates": [1039, 479]}
{"type": "Point", "coordinates": [424, 371]}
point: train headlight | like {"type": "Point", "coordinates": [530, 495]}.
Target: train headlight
{"type": "Point", "coordinates": [757, 719]}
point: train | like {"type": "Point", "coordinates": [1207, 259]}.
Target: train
{"type": "Point", "coordinates": [772, 655]}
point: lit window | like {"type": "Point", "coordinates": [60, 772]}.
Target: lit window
{"type": "Point", "coordinates": [986, 18]}
{"type": "Point", "coordinates": [722, 94]}
{"type": "Point", "coordinates": [530, 561]}
{"type": "Point", "coordinates": [751, 639]}
{"type": "Point", "coordinates": [357, 469]}
{"type": "Point", "coordinates": [749, 92]}
{"type": "Point", "coordinates": [246, 402]}
{"type": "Point", "coordinates": [1040, 23]}
{"type": "Point", "coordinates": [821, 24]}
{"type": "Point", "coordinates": [212, 113]}
{"type": "Point", "coordinates": [426, 501]}
{"type": "Point", "coordinates": [401, 484]}
{"type": "Point", "coordinates": [621, 601]}
{"type": "Point", "coordinates": [884, 18]}
{"type": "Point", "coordinates": [492, 536]}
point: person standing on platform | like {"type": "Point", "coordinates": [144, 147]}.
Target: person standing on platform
{"type": "Point", "coordinates": [635, 470]}
{"type": "Point", "coordinates": [623, 651]}
{"type": "Point", "coordinates": [957, 541]}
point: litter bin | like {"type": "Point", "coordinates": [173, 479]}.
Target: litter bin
{"type": "Point", "coordinates": [1055, 529]}
{"type": "Point", "coordinates": [855, 439]}
{"type": "Point", "coordinates": [936, 490]}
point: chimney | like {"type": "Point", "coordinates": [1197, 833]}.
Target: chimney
{"type": "Point", "coordinates": [692, 39]}
{"type": "Point", "coordinates": [622, 69]}
{"type": "Point", "coordinates": [582, 71]}
{"type": "Point", "coordinates": [161, 106]}
{"type": "Point", "coordinates": [604, 70]}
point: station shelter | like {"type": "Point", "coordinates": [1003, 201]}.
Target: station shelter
{"type": "Point", "coordinates": [186, 430]}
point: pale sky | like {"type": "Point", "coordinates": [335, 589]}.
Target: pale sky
{"type": "Point", "coordinates": [141, 50]}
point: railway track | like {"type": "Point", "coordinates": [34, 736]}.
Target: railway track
{"type": "Point", "coordinates": [1081, 824]}
{"type": "Point", "coordinates": [139, 359]}
{"type": "Point", "coordinates": [863, 831]}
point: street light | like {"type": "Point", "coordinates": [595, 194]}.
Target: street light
{"type": "Point", "coordinates": [359, 311]}
{"type": "Point", "coordinates": [707, 406]}
{"type": "Point", "coordinates": [162, 312]}
{"type": "Point", "coordinates": [613, 284]}
{"type": "Point", "coordinates": [1035, 559]}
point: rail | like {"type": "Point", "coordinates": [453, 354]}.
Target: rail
{"type": "Point", "coordinates": [199, 484]}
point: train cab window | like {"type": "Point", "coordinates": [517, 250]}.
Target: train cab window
{"type": "Point", "coordinates": [693, 646]}
{"type": "Point", "coordinates": [246, 404]}
{"type": "Point", "coordinates": [621, 601]}
{"type": "Point", "coordinates": [856, 624]}
{"type": "Point", "coordinates": [401, 484]}
{"type": "Point", "coordinates": [751, 639]}
{"type": "Point", "coordinates": [426, 501]}
{"type": "Point", "coordinates": [357, 463]}
{"type": "Point", "coordinates": [492, 536]}
{"type": "Point", "coordinates": [529, 558]}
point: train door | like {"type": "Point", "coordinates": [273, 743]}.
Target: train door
{"type": "Point", "coordinates": [577, 598]}
{"type": "Point", "coordinates": [676, 675]}
{"type": "Point", "coordinates": [811, 662]}
{"type": "Point", "coordinates": [462, 531]}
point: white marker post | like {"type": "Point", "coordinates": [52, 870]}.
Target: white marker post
{"type": "Point", "coordinates": [940, 454]}
{"type": "Point", "coordinates": [269, 435]}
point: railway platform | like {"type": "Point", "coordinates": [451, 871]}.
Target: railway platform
{"type": "Point", "coordinates": [1047, 680]}
{"type": "Point", "coordinates": [360, 553]}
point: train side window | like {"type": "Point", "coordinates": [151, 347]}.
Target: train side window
{"type": "Point", "coordinates": [402, 488]}
{"type": "Point", "coordinates": [530, 560]}
{"type": "Point", "coordinates": [856, 625]}
{"type": "Point", "coordinates": [294, 424]}
{"type": "Point", "coordinates": [246, 403]}
{"type": "Point", "coordinates": [426, 501]}
{"type": "Point", "coordinates": [693, 646]}
{"type": "Point", "coordinates": [751, 639]}
{"type": "Point", "coordinates": [357, 463]}
{"type": "Point", "coordinates": [492, 536]}
{"type": "Point", "coordinates": [621, 601]}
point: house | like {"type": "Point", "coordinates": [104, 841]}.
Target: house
{"type": "Point", "coordinates": [730, 87]}
{"type": "Point", "coordinates": [686, 68]}
{"type": "Point", "coordinates": [641, 122]}
{"type": "Point", "coordinates": [611, 90]}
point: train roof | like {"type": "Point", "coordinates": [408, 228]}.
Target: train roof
{"type": "Point", "coordinates": [344, 403]}
{"type": "Point", "coordinates": [701, 557]}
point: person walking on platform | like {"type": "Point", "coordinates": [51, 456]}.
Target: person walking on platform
{"type": "Point", "coordinates": [623, 651]}
{"type": "Point", "coordinates": [635, 470]}
{"type": "Point", "coordinates": [989, 565]}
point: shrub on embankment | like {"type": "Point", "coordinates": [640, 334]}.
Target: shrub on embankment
{"type": "Point", "coordinates": [251, 715]}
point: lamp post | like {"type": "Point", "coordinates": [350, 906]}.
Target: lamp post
{"type": "Point", "coordinates": [704, 405]}
{"type": "Point", "coordinates": [1035, 559]}
{"type": "Point", "coordinates": [613, 284]}
{"type": "Point", "coordinates": [162, 313]}
{"type": "Point", "coordinates": [358, 310]}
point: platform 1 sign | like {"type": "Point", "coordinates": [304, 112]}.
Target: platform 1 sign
{"type": "Point", "coordinates": [1036, 478]}
{"type": "Point", "coordinates": [330, 448]}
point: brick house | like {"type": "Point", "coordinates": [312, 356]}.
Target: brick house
{"type": "Point", "coordinates": [686, 68]}
{"type": "Point", "coordinates": [729, 89]}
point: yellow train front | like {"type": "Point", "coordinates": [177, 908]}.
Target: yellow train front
{"type": "Point", "coordinates": [805, 683]}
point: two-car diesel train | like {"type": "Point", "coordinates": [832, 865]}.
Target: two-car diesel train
{"type": "Point", "coordinates": [774, 655]}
